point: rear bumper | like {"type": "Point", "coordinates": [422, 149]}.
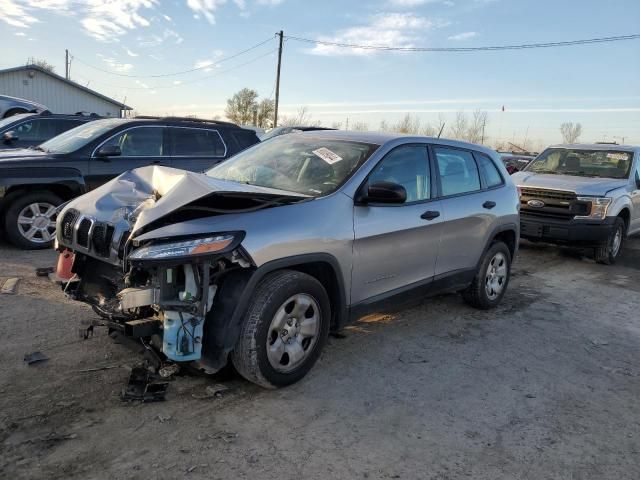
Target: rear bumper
{"type": "Point", "coordinates": [569, 232]}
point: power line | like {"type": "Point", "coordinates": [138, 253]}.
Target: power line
{"type": "Point", "coordinates": [255, 59]}
{"type": "Point", "coordinates": [468, 49]}
{"type": "Point", "coordinates": [182, 72]}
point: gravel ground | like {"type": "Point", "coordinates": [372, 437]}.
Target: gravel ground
{"type": "Point", "coordinates": [544, 387]}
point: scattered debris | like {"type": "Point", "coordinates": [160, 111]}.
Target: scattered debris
{"type": "Point", "coordinates": [98, 369]}
{"type": "Point", "coordinates": [598, 343]}
{"type": "Point", "coordinates": [10, 286]}
{"type": "Point", "coordinates": [35, 357]}
{"type": "Point", "coordinates": [191, 469]}
{"type": "Point", "coordinates": [412, 357]}
{"type": "Point", "coordinates": [163, 419]}
{"type": "Point", "coordinates": [169, 370]}
{"type": "Point", "coordinates": [143, 387]}
{"type": "Point", "coordinates": [217, 390]}
{"type": "Point", "coordinates": [530, 395]}
{"type": "Point", "coordinates": [227, 437]}
{"type": "Point", "coordinates": [339, 334]}
{"type": "Point", "coordinates": [44, 271]}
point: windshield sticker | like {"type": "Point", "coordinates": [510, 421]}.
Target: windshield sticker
{"type": "Point", "coordinates": [617, 156]}
{"type": "Point", "coordinates": [327, 155]}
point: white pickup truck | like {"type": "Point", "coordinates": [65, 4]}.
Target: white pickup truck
{"type": "Point", "coordinates": [582, 195]}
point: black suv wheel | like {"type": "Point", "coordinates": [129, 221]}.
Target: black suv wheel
{"type": "Point", "coordinates": [30, 220]}
{"type": "Point", "coordinates": [285, 328]}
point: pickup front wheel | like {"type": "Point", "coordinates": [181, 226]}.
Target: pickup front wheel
{"type": "Point", "coordinates": [30, 220]}
{"type": "Point", "coordinates": [284, 330]}
{"type": "Point", "coordinates": [608, 252]}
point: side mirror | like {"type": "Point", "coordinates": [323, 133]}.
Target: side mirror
{"type": "Point", "coordinates": [9, 137]}
{"type": "Point", "coordinates": [384, 192]}
{"type": "Point", "coordinates": [637, 180]}
{"type": "Point", "coordinates": [109, 151]}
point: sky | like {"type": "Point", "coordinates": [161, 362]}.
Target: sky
{"type": "Point", "coordinates": [129, 49]}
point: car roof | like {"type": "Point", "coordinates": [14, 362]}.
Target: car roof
{"type": "Point", "coordinates": [380, 138]}
{"type": "Point", "coordinates": [22, 116]}
{"type": "Point", "coordinates": [598, 146]}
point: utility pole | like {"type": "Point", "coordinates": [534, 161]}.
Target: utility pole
{"type": "Point", "coordinates": [66, 64]}
{"type": "Point", "coordinates": [275, 116]}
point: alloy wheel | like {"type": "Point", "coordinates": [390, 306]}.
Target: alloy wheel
{"type": "Point", "coordinates": [37, 222]}
{"type": "Point", "coordinates": [496, 276]}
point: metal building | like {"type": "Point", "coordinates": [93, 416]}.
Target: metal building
{"type": "Point", "coordinates": [58, 94]}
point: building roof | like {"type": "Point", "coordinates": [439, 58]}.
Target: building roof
{"type": "Point", "coordinates": [69, 82]}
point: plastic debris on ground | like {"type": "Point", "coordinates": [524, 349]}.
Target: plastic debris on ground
{"type": "Point", "coordinates": [35, 357]}
{"type": "Point", "coordinates": [144, 387]}
{"type": "Point", "coordinates": [10, 286]}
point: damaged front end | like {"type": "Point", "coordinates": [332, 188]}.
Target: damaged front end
{"type": "Point", "coordinates": [159, 289]}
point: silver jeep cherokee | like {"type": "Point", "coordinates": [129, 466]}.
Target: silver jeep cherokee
{"type": "Point", "coordinates": [582, 195]}
{"type": "Point", "coordinates": [258, 259]}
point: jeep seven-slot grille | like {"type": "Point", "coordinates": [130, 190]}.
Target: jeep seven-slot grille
{"type": "Point", "coordinates": [82, 237]}
{"type": "Point", "coordinates": [68, 222]}
{"type": "Point", "coordinates": [101, 238]}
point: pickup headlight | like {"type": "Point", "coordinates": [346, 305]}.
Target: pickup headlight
{"type": "Point", "coordinates": [599, 206]}
{"type": "Point", "coordinates": [184, 248]}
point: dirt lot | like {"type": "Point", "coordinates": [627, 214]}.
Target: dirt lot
{"type": "Point", "coordinates": [546, 386]}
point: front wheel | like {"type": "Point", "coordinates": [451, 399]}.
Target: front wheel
{"type": "Point", "coordinates": [492, 278]}
{"type": "Point", "coordinates": [608, 252]}
{"type": "Point", "coordinates": [30, 220]}
{"type": "Point", "coordinates": [284, 330]}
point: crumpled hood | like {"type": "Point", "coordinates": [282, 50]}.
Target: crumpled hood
{"type": "Point", "coordinates": [146, 194]}
{"type": "Point", "coordinates": [580, 185]}
{"type": "Point", "coordinates": [20, 155]}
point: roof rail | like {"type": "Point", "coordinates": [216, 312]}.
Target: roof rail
{"type": "Point", "coordinates": [606, 143]}
{"type": "Point", "coordinates": [186, 119]}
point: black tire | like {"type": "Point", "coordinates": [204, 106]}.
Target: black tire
{"type": "Point", "coordinates": [606, 254]}
{"type": "Point", "coordinates": [476, 295]}
{"type": "Point", "coordinates": [249, 356]}
{"type": "Point", "coordinates": [16, 205]}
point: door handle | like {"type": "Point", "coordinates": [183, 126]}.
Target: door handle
{"type": "Point", "coordinates": [430, 215]}
{"type": "Point", "coordinates": [489, 204]}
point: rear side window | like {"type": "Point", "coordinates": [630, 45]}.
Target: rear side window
{"type": "Point", "coordinates": [36, 130]}
{"type": "Point", "coordinates": [489, 171]}
{"type": "Point", "coordinates": [196, 142]}
{"type": "Point", "coordinates": [244, 138]}
{"type": "Point", "coordinates": [60, 126]}
{"type": "Point", "coordinates": [458, 171]}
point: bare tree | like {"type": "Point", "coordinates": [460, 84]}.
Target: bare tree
{"type": "Point", "coordinates": [266, 109]}
{"type": "Point", "coordinates": [336, 125]}
{"type": "Point", "coordinates": [475, 132]}
{"type": "Point", "coordinates": [570, 132]}
{"type": "Point", "coordinates": [302, 117]}
{"type": "Point", "coordinates": [38, 62]}
{"type": "Point", "coordinates": [360, 126]}
{"type": "Point", "coordinates": [460, 126]}
{"type": "Point", "coordinates": [241, 106]}
{"type": "Point", "coordinates": [407, 124]}
{"type": "Point", "coordinates": [384, 126]}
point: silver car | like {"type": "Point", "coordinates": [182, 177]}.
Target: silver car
{"type": "Point", "coordinates": [10, 106]}
{"type": "Point", "coordinates": [258, 259]}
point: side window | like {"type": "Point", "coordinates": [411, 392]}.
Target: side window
{"type": "Point", "coordinates": [139, 142]}
{"type": "Point", "coordinates": [61, 126]}
{"type": "Point", "coordinates": [196, 142]}
{"type": "Point", "coordinates": [489, 171]}
{"type": "Point", "coordinates": [458, 171]}
{"type": "Point", "coordinates": [245, 139]}
{"type": "Point", "coordinates": [409, 167]}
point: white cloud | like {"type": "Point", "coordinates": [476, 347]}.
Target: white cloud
{"type": "Point", "coordinates": [411, 3]}
{"type": "Point", "coordinates": [15, 14]}
{"type": "Point", "coordinates": [177, 82]}
{"type": "Point", "coordinates": [20, 34]}
{"type": "Point", "coordinates": [129, 52]}
{"type": "Point", "coordinates": [463, 36]}
{"type": "Point", "coordinates": [106, 21]}
{"type": "Point", "coordinates": [117, 66]}
{"type": "Point", "coordinates": [206, 8]}
{"type": "Point", "coordinates": [167, 18]}
{"type": "Point", "coordinates": [386, 29]}
{"type": "Point", "coordinates": [271, 3]}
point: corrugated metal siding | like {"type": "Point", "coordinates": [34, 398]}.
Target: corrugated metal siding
{"type": "Point", "coordinates": [58, 96]}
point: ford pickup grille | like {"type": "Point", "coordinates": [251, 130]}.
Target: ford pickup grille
{"type": "Point", "coordinates": [556, 204]}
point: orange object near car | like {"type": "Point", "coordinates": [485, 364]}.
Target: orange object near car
{"type": "Point", "coordinates": [65, 262]}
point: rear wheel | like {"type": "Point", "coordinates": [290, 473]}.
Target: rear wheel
{"type": "Point", "coordinates": [30, 220]}
{"type": "Point", "coordinates": [609, 251]}
{"type": "Point", "coordinates": [492, 278]}
{"type": "Point", "coordinates": [285, 328]}
{"type": "Point", "coordinates": [14, 111]}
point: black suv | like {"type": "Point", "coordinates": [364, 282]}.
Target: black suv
{"type": "Point", "coordinates": [34, 181]}
{"type": "Point", "coordinates": [31, 129]}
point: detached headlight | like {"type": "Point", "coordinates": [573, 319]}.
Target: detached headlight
{"type": "Point", "coordinates": [183, 248]}
{"type": "Point", "coordinates": [599, 206]}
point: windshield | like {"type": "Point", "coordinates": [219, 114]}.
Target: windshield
{"type": "Point", "coordinates": [274, 132]}
{"type": "Point", "coordinates": [310, 165]}
{"type": "Point", "coordinates": [583, 162]}
{"type": "Point", "coordinates": [13, 119]}
{"type": "Point", "coordinates": [78, 137]}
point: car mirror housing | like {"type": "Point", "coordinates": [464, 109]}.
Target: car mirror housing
{"type": "Point", "coordinates": [384, 192]}
{"type": "Point", "coordinates": [9, 137]}
{"type": "Point", "coordinates": [637, 179]}
{"type": "Point", "coordinates": [109, 151]}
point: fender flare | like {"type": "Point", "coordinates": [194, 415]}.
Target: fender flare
{"type": "Point", "coordinates": [224, 321]}
{"type": "Point", "coordinates": [24, 176]}
{"type": "Point", "coordinates": [506, 227]}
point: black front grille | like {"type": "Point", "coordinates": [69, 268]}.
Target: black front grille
{"type": "Point", "coordinates": [82, 237]}
{"type": "Point", "coordinates": [123, 243]}
{"type": "Point", "coordinates": [101, 238]}
{"type": "Point", "coordinates": [555, 203]}
{"type": "Point", "coordinates": [68, 222]}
